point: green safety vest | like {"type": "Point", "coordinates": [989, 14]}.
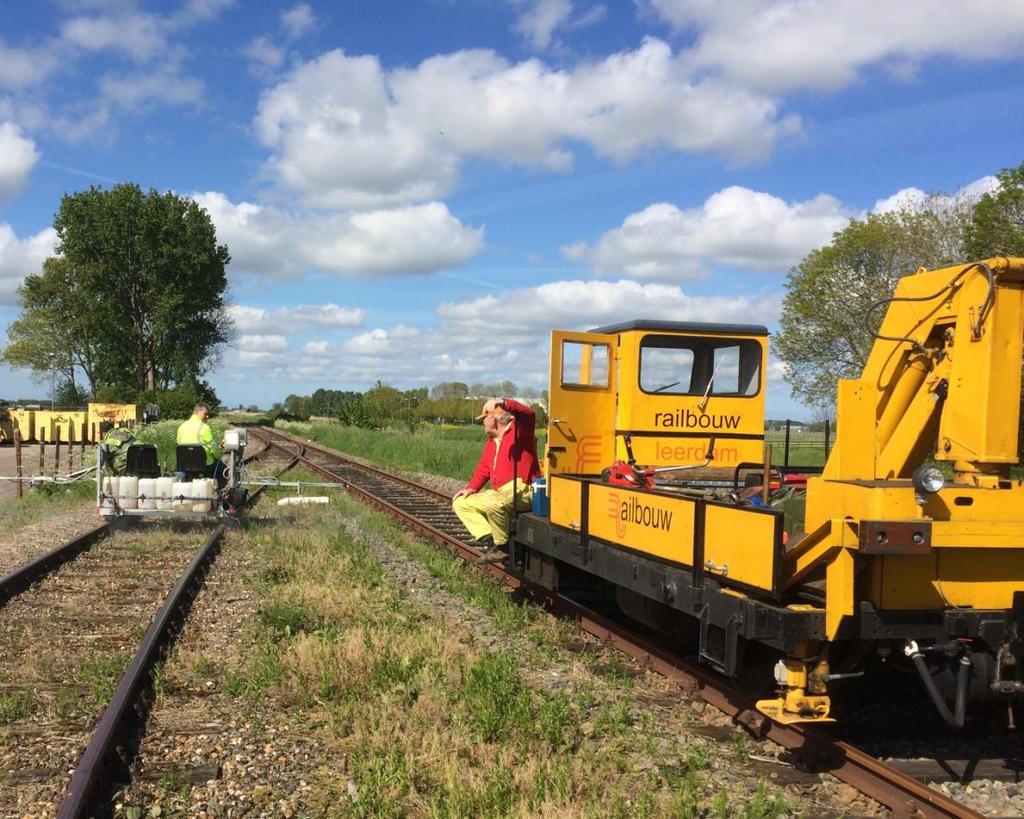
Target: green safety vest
{"type": "Point", "coordinates": [117, 438]}
{"type": "Point", "coordinates": [195, 431]}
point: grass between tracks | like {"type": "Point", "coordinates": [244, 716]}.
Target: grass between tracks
{"type": "Point", "coordinates": [424, 719]}
{"type": "Point", "coordinates": [43, 501]}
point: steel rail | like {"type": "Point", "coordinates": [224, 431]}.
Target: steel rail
{"type": "Point", "coordinates": [452, 544]}
{"type": "Point", "coordinates": [255, 496]}
{"type": "Point", "coordinates": [20, 579]}
{"type": "Point", "coordinates": [339, 457]}
{"type": "Point", "coordinates": [901, 793]}
{"type": "Point", "coordinates": [97, 765]}
{"type": "Point", "coordinates": [113, 742]}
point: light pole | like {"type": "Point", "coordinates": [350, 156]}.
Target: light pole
{"type": "Point", "coordinates": [53, 358]}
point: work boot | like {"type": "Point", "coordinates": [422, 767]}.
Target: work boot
{"type": "Point", "coordinates": [484, 542]}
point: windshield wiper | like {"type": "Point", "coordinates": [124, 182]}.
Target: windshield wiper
{"type": "Point", "coordinates": [704, 398]}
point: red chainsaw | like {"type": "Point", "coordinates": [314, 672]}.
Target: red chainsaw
{"type": "Point", "coordinates": [628, 473]}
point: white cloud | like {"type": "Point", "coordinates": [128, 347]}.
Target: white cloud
{"type": "Point", "coordinates": [264, 54]}
{"type": "Point", "coordinates": [18, 156]}
{"type": "Point", "coordinates": [347, 133]}
{"type": "Point", "coordinates": [380, 343]}
{"type": "Point", "coordinates": [25, 67]}
{"type": "Point", "coordinates": [167, 85]}
{"type": "Point", "coordinates": [781, 45]}
{"type": "Point", "coordinates": [297, 20]}
{"type": "Point", "coordinates": [340, 142]}
{"type": "Point", "coordinates": [540, 18]}
{"type": "Point", "coordinates": [262, 343]}
{"type": "Point", "coordinates": [20, 257]}
{"type": "Point", "coordinates": [373, 244]}
{"type": "Point", "coordinates": [467, 343]}
{"type": "Point", "coordinates": [285, 321]}
{"type": "Point", "coordinates": [139, 36]}
{"type": "Point", "coordinates": [197, 11]}
{"type": "Point", "coordinates": [143, 57]}
{"type": "Point", "coordinates": [735, 226]}
{"type": "Point", "coordinates": [913, 197]}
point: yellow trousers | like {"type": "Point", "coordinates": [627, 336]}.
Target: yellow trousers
{"type": "Point", "coordinates": [489, 511]}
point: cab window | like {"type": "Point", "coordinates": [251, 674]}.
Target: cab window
{"type": "Point", "coordinates": [685, 365]}
{"type": "Point", "coordinates": [584, 364]}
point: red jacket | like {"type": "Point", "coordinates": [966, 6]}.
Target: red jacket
{"type": "Point", "coordinates": [499, 470]}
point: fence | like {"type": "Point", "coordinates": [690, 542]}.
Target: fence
{"type": "Point", "coordinates": [792, 445]}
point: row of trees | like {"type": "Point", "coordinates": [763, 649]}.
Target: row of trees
{"type": "Point", "coordinates": [385, 406]}
{"type": "Point", "coordinates": [133, 307]}
{"type": "Point", "coordinates": [826, 331]}
{"type": "Point", "coordinates": [457, 389]}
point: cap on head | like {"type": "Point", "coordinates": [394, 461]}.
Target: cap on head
{"type": "Point", "coordinates": [494, 412]}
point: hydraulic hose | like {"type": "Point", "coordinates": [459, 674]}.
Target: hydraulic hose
{"type": "Point", "coordinates": [956, 719]}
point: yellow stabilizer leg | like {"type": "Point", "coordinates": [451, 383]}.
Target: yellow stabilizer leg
{"type": "Point", "coordinates": [801, 688]}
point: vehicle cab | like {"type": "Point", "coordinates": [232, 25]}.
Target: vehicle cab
{"type": "Point", "coordinates": [668, 387]}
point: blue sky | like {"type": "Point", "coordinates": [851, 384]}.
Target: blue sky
{"type": "Point", "coordinates": [420, 191]}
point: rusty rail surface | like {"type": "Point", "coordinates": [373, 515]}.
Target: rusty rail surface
{"type": "Point", "coordinates": [115, 740]}
{"type": "Point", "coordinates": [17, 581]}
{"type": "Point", "coordinates": [815, 750]}
{"type": "Point", "coordinates": [101, 762]}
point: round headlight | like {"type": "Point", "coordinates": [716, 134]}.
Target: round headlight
{"type": "Point", "coordinates": [928, 479]}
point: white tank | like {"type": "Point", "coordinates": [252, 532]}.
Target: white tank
{"type": "Point", "coordinates": [178, 489]}
{"type": "Point", "coordinates": [147, 493]}
{"type": "Point", "coordinates": [202, 490]}
{"type": "Point", "coordinates": [109, 491]}
{"type": "Point", "coordinates": [129, 492]}
{"type": "Point", "coordinates": [164, 487]}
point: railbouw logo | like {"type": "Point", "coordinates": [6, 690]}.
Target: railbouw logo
{"type": "Point", "coordinates": [688, 419]}
{"type": "Point", "coordinates": [588, 454]}
{"type": "Point", "coordinates": [632, 509]}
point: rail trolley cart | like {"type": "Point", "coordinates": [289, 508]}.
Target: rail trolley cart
{"type": "Point", "coordinates": [142, 490]}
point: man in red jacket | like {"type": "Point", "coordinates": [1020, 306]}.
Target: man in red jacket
{"type": "Point", "coordinates": [509, 462]}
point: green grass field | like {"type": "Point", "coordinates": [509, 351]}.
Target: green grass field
{"type": "Point", "coordinates": [454, 451]}
{"type": "Point", "coordinates": [805, 448]}
{"type": "Point", "coordinates": [439, 450]}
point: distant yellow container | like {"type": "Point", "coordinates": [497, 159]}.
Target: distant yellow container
{"type": "Point", "coordinates": [67, 424]}
{"type": "Point", "coordinates": [25, 422]}
{"type": "Point", "coordinates": [120, 415]}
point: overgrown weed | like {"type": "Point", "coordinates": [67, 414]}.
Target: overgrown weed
{"type": "Point", "coordinates": [422, 721]}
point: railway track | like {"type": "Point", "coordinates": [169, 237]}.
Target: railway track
{"type": "Point", "coordinates": [69, 678]}
{"type": "Point", "coordinates": [429, 513]}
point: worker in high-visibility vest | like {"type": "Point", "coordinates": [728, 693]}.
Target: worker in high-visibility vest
{"type": "Point", "coordinates": [196, 431]}
{"type": "Point", "coordinates": [114, 446]}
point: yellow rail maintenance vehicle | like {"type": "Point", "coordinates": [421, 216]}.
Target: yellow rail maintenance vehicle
{"type": "Point", "coordinates": [884, 558]}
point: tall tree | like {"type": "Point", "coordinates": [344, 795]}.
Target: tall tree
{"type": "Point", "coordinates": [140, 284]}
{"type": "Point", "coordinates": [827, 325]}
{"type": "Point", "coordinates": [449, 389]}
{"type": "Point", "coordinates": [60, 328]}
{"type": "Point", "coordinates": [997, 224]}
